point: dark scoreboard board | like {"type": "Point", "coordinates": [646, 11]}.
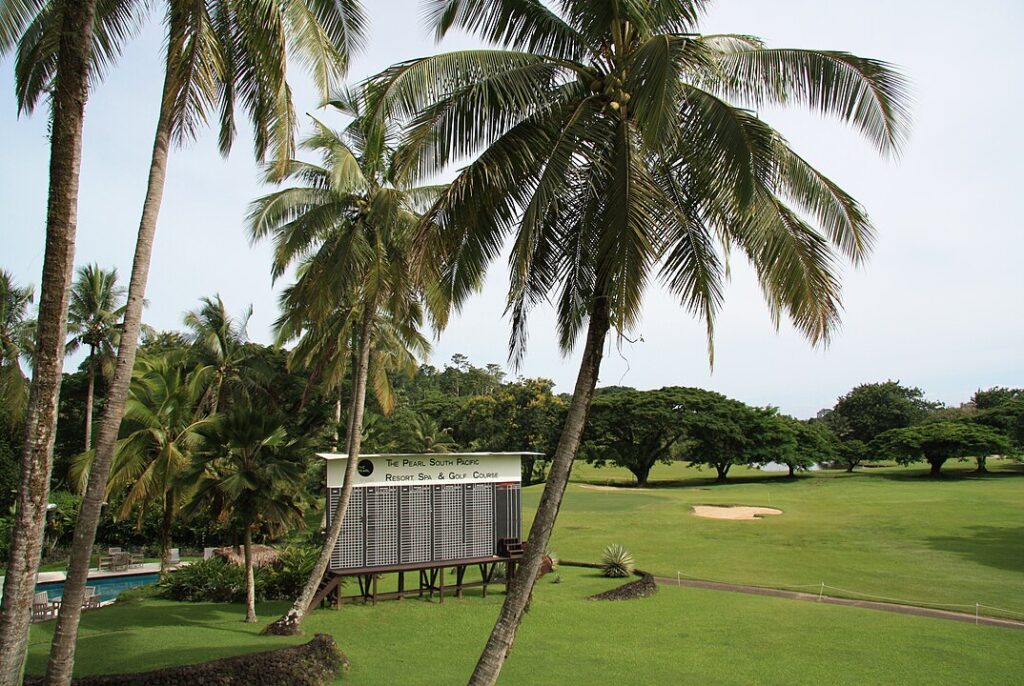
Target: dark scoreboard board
{"type": "Point", "coordinates": [413, 525]}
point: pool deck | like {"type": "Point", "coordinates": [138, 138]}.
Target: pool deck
{"type": "Point", "coordinates": [50, 577]}
{"type": "Point", "coordinates": [145, 568]}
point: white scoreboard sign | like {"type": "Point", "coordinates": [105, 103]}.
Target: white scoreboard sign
{"type": "Point", "coordinates": [422, 470]}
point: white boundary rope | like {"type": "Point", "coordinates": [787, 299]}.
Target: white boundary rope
{"type": "Point", "coordinates": [821, 586]}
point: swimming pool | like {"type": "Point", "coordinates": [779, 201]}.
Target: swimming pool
{"type": "Point", "coordinates": [109, 586]}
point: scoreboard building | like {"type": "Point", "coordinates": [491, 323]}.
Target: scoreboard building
{"type": "Point", "coordinates": [422, 512]}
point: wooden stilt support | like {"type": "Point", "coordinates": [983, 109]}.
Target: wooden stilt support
{"type": "Point", "coordinates": [440, 589]}
{"type": "Point", "coordinates": [401, 586]}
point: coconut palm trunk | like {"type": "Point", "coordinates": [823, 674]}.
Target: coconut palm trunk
{"type": "Point", "coordinates": [69, 97]}
{"type": "Point", "coordinates": [250, 578]}
{"type": "Point", "coordinates": [500, 642]}
{"type": "Point", "coordinates": [165, 534]}
{"type": "Point", "coordinates": [62, 652]}
{"type": "Point", "coordinates": [291, 623]}
{"type": "Point", "coordinates": [89, 395]}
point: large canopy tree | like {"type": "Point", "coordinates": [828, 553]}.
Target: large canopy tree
{"type": "Point", "coordinates": [349, 225]}
{"type": "Point", "coordinates": [635, 429]}
{"type": "Point", "coordinates": [220, 55]}
{"type": "Point", "coordinates": [617, 146]}
{"type": "Point", "coordinates": [937, 442]}
{"type": "Point", "coordinates": [94, 316]}
{"type": "Point", "coordinates": [871, 409]}
{"type": "Point", "coordinates": [71, 45]}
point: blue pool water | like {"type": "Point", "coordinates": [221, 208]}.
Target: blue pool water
{"type": "Point", "coordinates": [109, 587]}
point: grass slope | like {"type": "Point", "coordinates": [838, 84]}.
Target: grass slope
{"type": "Point", "coordinates": [679, 636]}
{"type": "Point", "coordinates": [886, 532]}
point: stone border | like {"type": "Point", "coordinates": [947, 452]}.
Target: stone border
{"type": "Point", "coordinates": [644, 587]}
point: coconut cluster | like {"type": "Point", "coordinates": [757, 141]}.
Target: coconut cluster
{"type": "Point", "coordinates": [611, 86]}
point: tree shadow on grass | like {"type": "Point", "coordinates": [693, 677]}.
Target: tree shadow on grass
{"type": "Point", "coordinates": [702, 482]}
{"type": "Point", "coordinates": [999, 547]}
{"type": "Point", "coordinates": [922, 475]}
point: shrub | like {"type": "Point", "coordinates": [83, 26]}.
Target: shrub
{"type": "Point", "coordinates": [313, 664]}
{"type": "Point", "coordinates": [284, 581]}
{"type": "Point", "coordinates": [617, 561]}
{"type": "Point", "coordinates": [212, 580]}
{"type": "Point", "coordinates": [217, 581]}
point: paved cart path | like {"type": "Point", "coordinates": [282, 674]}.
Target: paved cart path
{"type": "Point", "coordinates": [832, 600]}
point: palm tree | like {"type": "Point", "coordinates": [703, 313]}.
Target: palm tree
{"type": "Point", "coordinates": [430, 437]}
{"type": "Point", "coordinates": [15, 342]}
{"type": "Point", "coordinates": [219, 55]}
{"type": "Point", "coordinates": [68, 91]}
{"type": "Point", "coordinates": [94, 313]}
{"type": "Point", "coordinates": [324, 349]}
{"type": "Point", "coordinates": [615, 148]}
{"type": "Point", "coordinates": [349, 225]}
{"type": "Point", "coordinates": [249, 476]}
{"type": "Point", "coordinates": [221, 340]}
{"type": "Point", "coordinates": [162, 429]}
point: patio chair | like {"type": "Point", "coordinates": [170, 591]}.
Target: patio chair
{"type": "Point", "coordinates": [42, 608]}
{"type": "Point", "coordinates": [113, 551]}
{"type": "Point", "coordinates": [175, 557]}
{"type": "Point", "coordinates": [92, 598]}
{"type": "Point", "coordinates": [136, 560]}
{"type": "Point", "coordinates": [208, 553]}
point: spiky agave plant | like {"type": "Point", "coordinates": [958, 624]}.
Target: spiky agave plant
{"type": "Point", "coordinates": [617, 562]}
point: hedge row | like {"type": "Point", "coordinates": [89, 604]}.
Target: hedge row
{"type": "Point", "coordinates": [312, 664]}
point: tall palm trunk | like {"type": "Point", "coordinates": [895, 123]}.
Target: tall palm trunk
{"type": "Point", "coordinates": [250, 578]}
{"type": "Point", "coordinates": [69, 97]}
{"type": "Point", "coordinates": [500, 642]}
{"type": "Point", "coordinates": [337, 418]}
{"type": "Point", "coordinates": [165, 534]}
{"type": "Point", "coordinates": [291, 623]}
{"type": "Point", "coordinates": [62, 652]}
{"type": "Point", "coordinates": [90, 392]}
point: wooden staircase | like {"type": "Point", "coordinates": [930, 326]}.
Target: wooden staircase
{"type": "Point", "coordinates": [510, 547]}
{"type": "Point", "coordinates": [327, 584]}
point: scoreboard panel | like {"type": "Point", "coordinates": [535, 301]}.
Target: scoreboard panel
{"type": "Point", "coordinates": [390, 525]}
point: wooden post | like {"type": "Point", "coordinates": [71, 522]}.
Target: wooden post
{"type": "Point", "coordinates": [440, 589]}
{"type": "Point", "coordinates": [401, 585]}
{"type": "Point", "coordinates": [373, 598]}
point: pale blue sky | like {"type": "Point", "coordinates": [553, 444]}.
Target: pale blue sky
{"type": "Point", "coordinates": [937, 306]}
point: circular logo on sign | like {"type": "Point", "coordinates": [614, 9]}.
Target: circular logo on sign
{"type": "Point", "coordinates": [365, 468]}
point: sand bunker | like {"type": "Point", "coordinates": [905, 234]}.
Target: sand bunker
{"type": "Point", "coordinates": [734, 512]}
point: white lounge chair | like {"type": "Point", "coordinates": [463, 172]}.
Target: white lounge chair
{"type": "Point", "coordinates": [175, 557]}
{"type": "Point", "coordinates": [42, 608]}
{"type": "Point", "coordinates": [92, 598]}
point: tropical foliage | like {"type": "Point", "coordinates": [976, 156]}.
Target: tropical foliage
{"type": "Point", "coordinates": [94, 317]}
{"type": "Point", "coordinates": [15, 343]}
{"type": "Point", "coordinates": [248, 477]}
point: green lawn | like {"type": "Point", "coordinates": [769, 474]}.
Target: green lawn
{"type": "Point", "coordinates": [887, 532]}
{"type": "Point", "coordinates": [678, 636]}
